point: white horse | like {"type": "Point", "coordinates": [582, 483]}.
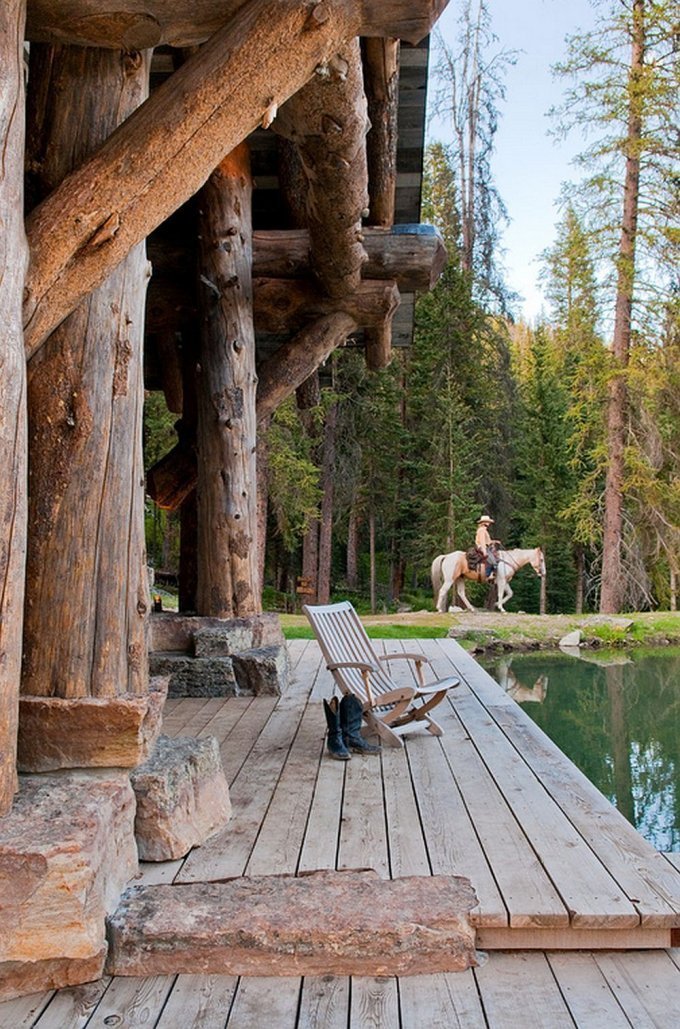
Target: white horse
{"type": "Point", "coordinates": [452, 570]}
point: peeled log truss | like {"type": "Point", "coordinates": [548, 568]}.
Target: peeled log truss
{"type": "Point", "coordinates": [324, 100]}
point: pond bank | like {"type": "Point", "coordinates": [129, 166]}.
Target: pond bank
{"type": "Point", "coordinates": [492, 632]}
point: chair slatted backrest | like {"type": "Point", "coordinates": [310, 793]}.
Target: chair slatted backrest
{"type": "Point", "coordinates": [342, 637]}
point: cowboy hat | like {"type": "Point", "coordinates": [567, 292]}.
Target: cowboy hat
{"type": "Point", "coordinates": [485, 518]}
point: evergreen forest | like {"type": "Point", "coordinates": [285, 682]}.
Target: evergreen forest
{"type": "Point", "coordinates": [565, 431]}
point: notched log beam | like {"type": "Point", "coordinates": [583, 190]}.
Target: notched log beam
{"type": "Point", "coordinates": [138, 24]}
{"type": "Point", "coordinates": [413, 256]}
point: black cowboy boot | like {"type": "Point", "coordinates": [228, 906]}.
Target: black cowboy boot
{"type": "Point", "coordinates": [350, 719]}
{"type": "Point", "coordinates": [334, 742]}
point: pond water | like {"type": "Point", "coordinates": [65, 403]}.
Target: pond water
{"type": "Point", "coordinates": [617, 717]}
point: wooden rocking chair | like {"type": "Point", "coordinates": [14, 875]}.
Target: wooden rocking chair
{"type": "Point", "coordinates": [389, 710]}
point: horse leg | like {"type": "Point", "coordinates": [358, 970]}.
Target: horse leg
{"type": "Point", "coordinates": [504, 595]}
{"type": "Point", "coordinates": [462, 595]}
{"type": "Point", "coordinates": [441, 599]}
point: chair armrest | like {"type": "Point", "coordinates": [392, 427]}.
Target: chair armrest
{"type": "Point", "coordinates": [363, 666]}
{"type": "Point", "coordinates": [394, 696]}
{"type": "Point", "coordinates": [408, 657]}
{"type": "Point", "coordinates": [440, 684]}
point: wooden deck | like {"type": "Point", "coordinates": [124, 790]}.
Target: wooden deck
{"type": "Point", "coordinates": [555, 868]}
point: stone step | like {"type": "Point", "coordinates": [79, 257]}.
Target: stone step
{"type": "Point", "coordinates": [326, 923]}
{"type": "Point", "coordinates": [254, 672]}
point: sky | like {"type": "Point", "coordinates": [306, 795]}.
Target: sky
{"type": "Point", "coordinates": [529, 166]}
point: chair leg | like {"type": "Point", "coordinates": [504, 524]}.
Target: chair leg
{"type": "Point", "coordinates": [434, 727]}
{"type": "Point", "coordinates": [391, 739]}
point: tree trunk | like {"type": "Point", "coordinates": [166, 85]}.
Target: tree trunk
{"type": "Point", "coordinates": [87, 588]}
{"type": "Point", "coordinates": [371, 553]}
{"type": "Point", "coordinates": [326, 523]}
{"type": "Point", "coordinates": [13, 443]}
{"type": "Point", "coordinates": [353, 548]}
{"type": "Point", "coordinates": [674, 590]}
{"type": "Point", "coordinates": [167, 149]}
{"type": "Point", "coordinates": [580, 577]}
{"type": "Point", "coordinates": [612, 591]}
{"type": "Point", "coordinates": [226, 390]}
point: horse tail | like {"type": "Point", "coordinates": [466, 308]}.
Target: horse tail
{"type": "Point", "coordinates": [437, 576]}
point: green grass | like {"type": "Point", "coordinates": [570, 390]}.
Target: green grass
{"type": "Point", "coordinates": [376, 632]}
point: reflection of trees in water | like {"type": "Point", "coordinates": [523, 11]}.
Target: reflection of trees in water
{"type": "Point", "coordinates": [621, 726]}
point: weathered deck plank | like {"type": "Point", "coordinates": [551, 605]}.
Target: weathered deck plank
{"type": "Point", "coordinates": [199, 1001]}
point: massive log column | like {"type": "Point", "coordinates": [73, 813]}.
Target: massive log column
{"type": "Point", "coordinates": [226, 390]}
{"type": "Point", "coordinates": [327, 121]}
{"type": "Point", "coordinates": [13, 259]}
{"type": "Point", "coordinates": [86, 604]}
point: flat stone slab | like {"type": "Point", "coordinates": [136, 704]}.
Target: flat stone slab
{"type": "Point", "coordinates": [177, 632]}
{"type": "Point", "coordinates": [67, 851]}
{"type": "Point", "coordinates": [88, 732]}
{"type": "Point", "coordinates": [182, 797]}
{"type": "Point", "coordinates": [337, 923]}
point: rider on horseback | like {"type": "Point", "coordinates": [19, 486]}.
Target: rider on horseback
{"type": "Point", "coordinates": [486, 547]}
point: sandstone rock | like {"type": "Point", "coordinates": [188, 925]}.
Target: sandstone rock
{"type": "Point", "coordinates": [224, 641]}
{"type": "Point", "coordinates": [88, 732]}
{"type": "Point", "coordinates": [262, 671]}
{"type": "Point", "coordinates": [182, 797]}
{"type": "Point", "coordinates": [67, 851]}
{"type": "Point", "coordinates": [341, 923]}
{"type": "Point", "coordinates": [195, 676]}
{"type": "Point", "coordinates": [175, 632]}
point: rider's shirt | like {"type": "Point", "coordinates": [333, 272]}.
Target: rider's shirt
{"type": "Point", "coordinates": [482, 539]}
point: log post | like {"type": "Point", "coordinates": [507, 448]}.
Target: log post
{"type": "Point", "coordinates": [167, 149]}
{"type": "Point", "coordinates": [13, 444]}
{"type": "Point", "coordinates": [381, 80]}
{"type": "Point", "coordinates": [327, 121]}
{"type": "Point", "coordinates": [226, 392]}
{"type": "Point", "coordinates": [87, 588]}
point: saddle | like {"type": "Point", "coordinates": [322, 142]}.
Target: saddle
{"type": "Point", "coordinates": [474, 559]}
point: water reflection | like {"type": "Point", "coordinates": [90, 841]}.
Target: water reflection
{"type": "Point", "coordinates": [618, 719]}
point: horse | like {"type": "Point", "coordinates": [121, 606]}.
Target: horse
{"type": "Point", "coordinates": [452, 570]}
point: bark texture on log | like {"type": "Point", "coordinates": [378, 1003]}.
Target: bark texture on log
{"type": "Point", "coordinates": [327, 121]}
{"type": "Point", "coordinates": [285, 305]}
{"type": "Point", "coordinates": [165, 151]}
{"type": "Point", "coordinates": [87, 587]}
{"type": "Point", "coordinates": [226, 392]}
{"type": "Point", "coordinates": [381, 81]}
{"type": "Point", "coordinates": [138, 24]}
{"type": "Point", "coordinates": [13, 442]}
{"type": "Point", "coordinates": [414, 260]}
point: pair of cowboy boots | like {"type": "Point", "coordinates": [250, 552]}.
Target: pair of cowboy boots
{"type": "Point", "coordinates": [344, 728]}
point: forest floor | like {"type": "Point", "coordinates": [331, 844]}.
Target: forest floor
{"type": "Point", "coordinates": [488, 631]}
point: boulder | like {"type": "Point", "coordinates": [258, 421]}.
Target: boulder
{"type": "Point", "coordinates": [265, 670]}
{"type": "Point", "coordinates": [88, 732]}
{"type": "Point", "coordinates": [572, 639]}
{"type": "Point", "coordinates": [67, 851]}
{"type": "Point", "coordinates": [338, 923]}
{"type": "Point", "coordinates": [182, 797]}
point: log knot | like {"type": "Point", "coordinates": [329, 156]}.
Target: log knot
{"type": "Point", "coordinates": [105, 232]}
